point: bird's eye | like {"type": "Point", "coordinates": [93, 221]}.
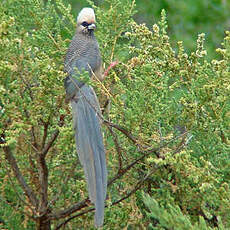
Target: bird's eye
{"type": "Point", "coordinates": [85, 24]}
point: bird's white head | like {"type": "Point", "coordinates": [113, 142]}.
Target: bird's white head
{"type": "Point", "coordinates": [86, 20]}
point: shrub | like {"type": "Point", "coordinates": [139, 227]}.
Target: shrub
{"type": "Point", "coordinates": [167, 119]}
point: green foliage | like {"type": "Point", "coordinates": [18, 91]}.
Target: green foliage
{"type": "Point", "coordinates": [172, 217]}
{"type": "Point", "coordinates": [188, 18]}
{"type": "Point", "coordinates": [32, 47]}
{"type": "Point", "coordinates": [165, 90]}
{"type": "Point", "coordinates": [158, 92]}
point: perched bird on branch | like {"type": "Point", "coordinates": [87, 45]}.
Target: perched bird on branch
{"type": "Point", "coordinates": [84, 55]}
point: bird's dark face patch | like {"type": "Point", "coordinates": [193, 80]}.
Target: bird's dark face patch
{"type": "Point", "coordinates": [85, 24]}
{"type": "Point", "coordinates": [88, 27]}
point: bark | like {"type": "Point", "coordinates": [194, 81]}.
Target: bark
{"type": "Point", "coordinates": [43, 224]}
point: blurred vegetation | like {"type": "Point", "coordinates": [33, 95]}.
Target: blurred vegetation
{"type": "Point", "coordinates": [172, 218]}
{"type": "Point", "coordinates": [186, 19]}
{"type": "Point", "coordinates": [170, 95]}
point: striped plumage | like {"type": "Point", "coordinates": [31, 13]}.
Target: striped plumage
{"type": "Point", "coordinates": [83, 50]}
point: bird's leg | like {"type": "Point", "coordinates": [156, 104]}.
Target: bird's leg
{"type": "Point", "coordinates": [112, 65]}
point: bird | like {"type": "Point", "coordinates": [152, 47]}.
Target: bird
{"type": "Point", "coordinates": [83, 55]}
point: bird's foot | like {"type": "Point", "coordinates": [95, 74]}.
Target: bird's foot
{"type": "Point", "coordinates": [112, 65]}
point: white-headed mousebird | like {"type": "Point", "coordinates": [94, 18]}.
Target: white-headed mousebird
{"type": "Point", "coordinates": [84, 55]}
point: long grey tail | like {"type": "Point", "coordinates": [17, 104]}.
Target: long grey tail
{"type": "Point", "coordinates": [90, 147]}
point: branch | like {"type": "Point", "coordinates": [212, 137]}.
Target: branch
{"type": "Point", "coordinates": [14, 207]}
{"type": "Point", "coordinates": [118, 127]}
{"type": "Point", "coordinates": [43, 173]}
{"type": "Point", "coordinates": [53, 137]}
{"type": "Point", "coordinates": [82, 204]}
{"type": "Point", "coordinates": [118, 147]}
{"type": "Point", "coordinates": [137, 187]}
{"type": "Point", "coordinates": [15, 190]}
{"type": "Point", "coordinates": [27, 87]}
{"type": "Point", "coordinates": [146, 150]}
{"type": "Point", "coordinates": [34, 141]}
{"type": "Point", "coordinates": [105, 106]}
{"type": "Point", "coordinates": [69, 210]}
{"type": "Point", "coordinates": [50, 142]}
{"type": "Point", "coordinates": [73, 217]}
{"type": "Point", "coordinates": [43, 169]}
{"type": "Point", "coordinates": [121, 129]}
{"type": "Point", "coordinates": [43, 179]}
{"type": "Point", "coordinates": [46, 125]}
{"type": "Point", "coordinates": [146, 153]}
{"type": "Point", "coordinates": [67, 177]}
{"type": "Point", "coordinates": [28, 191]}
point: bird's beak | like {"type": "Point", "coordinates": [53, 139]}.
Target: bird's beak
{"type": "Point", "coordinates": [91, 26]}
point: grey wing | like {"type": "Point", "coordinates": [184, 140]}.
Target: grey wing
{"type": "Point", "coordinates": [72, 82]}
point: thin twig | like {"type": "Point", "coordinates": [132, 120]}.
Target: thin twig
{"type": "Point", "coordinates": [34, 141]}
{"type": "Point", "coordinates": [15, 190]}
{"type": "Point", "coordinates": [17, 173]}
{"type": "Point", "coordinates": [68, 211]}
{"type": "Point", "coordinates": [82, 204]}
{"type": "Point", "coordinates": [53, 40]}
{"type": "Point", "coordinates": [105, 106]}
{"type": "Point", "coordinates": [50, 142]}
{"type": "Point", "coordinates": [43, 170]}
{"type": "Point", "coordinates": [146, 150]}
{"type": "Point", "coordinates": [118, 127]}
{"type": "Point", "coordinates": [15, 207]}
{"type": "Point", "coordinates": [55, 198]}
{"type": "Point", "coordinates": [45, 125]}
{"type": "Point", "coordinates": [118, 148]}
{"type": "Point", "coordinates": [123, 130]}
{"type": "Point", "coordinates": [53, 137]}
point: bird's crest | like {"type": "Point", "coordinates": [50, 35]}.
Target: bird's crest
{"type": "Point", "coordinates": [86, 15]}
